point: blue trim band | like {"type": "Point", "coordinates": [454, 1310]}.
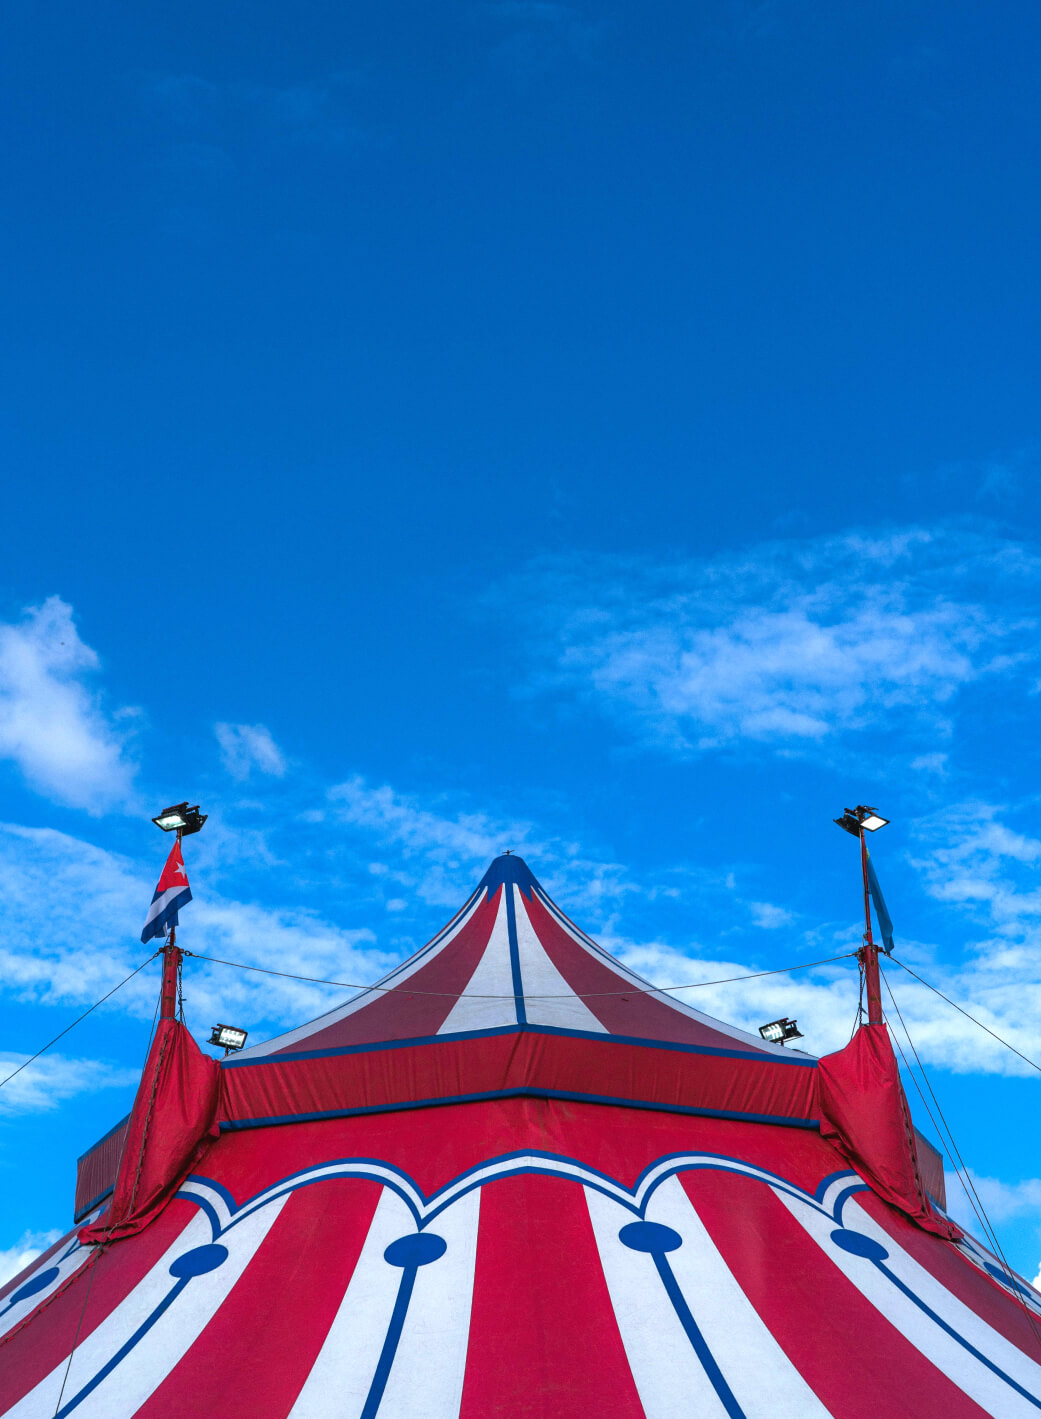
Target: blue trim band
{"type": "Point", "coordinates": [78, 1217]}
{"type": "Point", "coordinates": [524, 1028]}
{"type": "Point", "coordinates": [114, 1129]}
{"type": "Point", "coordinates": [570, 1095]}
{"type": "Point", "coordinates": [949, 1330]}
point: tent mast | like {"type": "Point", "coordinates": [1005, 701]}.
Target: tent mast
{"type": "Point", "coordinates": [869, 951]}
{"type": "Point", "coordinates": [171, 972]}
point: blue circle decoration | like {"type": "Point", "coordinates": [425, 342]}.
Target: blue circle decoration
{"type": "Point", "coordinates": [419, 1249]}
{"type": "Point", "coordinates": [1006, 1280]}
{"type": "Point", "coordinates": [650, 1236]}
{"type": "Point", "coordinates": [199, 1260]}
{"type": "Point", "coordinates": [36, 1283]}
{"type": "Point", "coordinates": [859, 1245]}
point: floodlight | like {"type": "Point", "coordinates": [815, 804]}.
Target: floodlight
{"type": "Point", "coordinates": [853, 819]}
{"type": "Point", "coordinates": [778, 1031]}
{"type": "Point", "coordinates": [228, 1037]}
{"type": "Point", "coordinates": [181, 819]}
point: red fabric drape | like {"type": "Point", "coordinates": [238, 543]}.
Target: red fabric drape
{"type": "Point", "coordinates": [173, 1117]}
{"type": "Point", "coordinates": [863, 1112]}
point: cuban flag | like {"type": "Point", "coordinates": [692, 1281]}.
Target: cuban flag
{"type": "Point", "coordinates": [171, 894]}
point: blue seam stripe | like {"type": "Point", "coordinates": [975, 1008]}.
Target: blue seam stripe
{"type": "Point", "coordinates": [511, 932]}
{"type": "Point", "coordinates": [572, 1096]}
{"type": "Point", "coordinates": [89, 1207]}
{"type": "Point", "coordinates": [115, 1127]}
{"type": "Point", "coordinates": [697, 1340]}
{"type": "Point", "coordinates": [125, 1349]}
{"type": "Point", "coordinates": [938, 1320]}
{"type": "Point", "coordinates": [390, 1343]}
{"type": "Point", "coordinates": [525, 1028]}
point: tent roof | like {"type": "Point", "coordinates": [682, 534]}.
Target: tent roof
{"type": "Point", "coordinates": [511, 958]}
{"type": "Point", "coordinates": [641, 1242]}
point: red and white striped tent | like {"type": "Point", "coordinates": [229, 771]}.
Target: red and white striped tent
{"type": "Point", "coordinates": [514, 1180]}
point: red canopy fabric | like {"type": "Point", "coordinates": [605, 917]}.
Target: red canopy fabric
{"type": "Point", "coordinates": [864, 1113]}
{"type": "Point", "coordinates": [173, 1114]}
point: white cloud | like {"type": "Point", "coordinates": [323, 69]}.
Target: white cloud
{"type": "Point", "coordinates": [823, 1000]}
{"type": "Point", "coordinates": [26, 1249]}
{"type": "Point", "coordinates": [790, 643]}
{"type": "Point", "coordinates": [974, 859]}
{"type": "Point", "coordinates": [770, 917]}
{"type": "Point", "coordinates": [1004, 1202]}
{"type": "Point", "coordinates": [245, 747]}
{"type": "Point", "coordinates": [53, 1078]}
{"type": "Point", "coordinates": [51, 884]}
{"type": "Point", "coordinates": [51, 724]}
{"type": "Point", "coordinates": [443, 849]}
{"type": "Point", "coordinates": [402, 819]}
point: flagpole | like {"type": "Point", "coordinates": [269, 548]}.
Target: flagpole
{"type": "Point", "coordinates": [869, 951]}
{"type": "Point", "coordinates": [171, 970]}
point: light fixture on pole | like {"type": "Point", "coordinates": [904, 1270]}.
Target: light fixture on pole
{"type": "Point", "coordinates": [858, 821]}
{"type": "Point", "coordinates": [180, 819]}
{"type": "Point", "coordinates": [853, 819]}
{"type": "Point", "coordinates": [778, 1032]}
{"type": "Point", "coordinates": [228, 1037]}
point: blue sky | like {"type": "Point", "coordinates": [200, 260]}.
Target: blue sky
{"type": "Point", "coordinates": [606, 433]}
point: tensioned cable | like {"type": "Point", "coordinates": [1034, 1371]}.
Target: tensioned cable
{"type": "Point", "coordinates": [1025, 1058]}
{"type": "Point", "coordinates": [25, 1064]}
{"type": "Point", "coordinates": [944, 1133]}
{"type": "Point", "coordinates": [477, 995]}
{"type": "Point", "coordinates": [975, 1201]}
{"type": "Point", "coordinates": [972, 1196]}
{"type": "Point", "coordinates": [93, 1264]}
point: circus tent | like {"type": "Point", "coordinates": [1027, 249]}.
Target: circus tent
{"type": "Point", "coordinates": [513, 1179]}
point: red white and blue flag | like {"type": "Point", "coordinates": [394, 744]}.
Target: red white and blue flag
{"type": "Point", "coordinates": [171, 894]}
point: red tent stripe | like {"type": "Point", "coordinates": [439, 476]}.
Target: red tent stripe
{"type": "Point", "coordinates": [399, 1014]}
{"type": "Point", "coordinates": [543, 1338]}
{"type": "Point", "coordinates": [637, 1014]}
{"type": "Point", "coordinates": [981, 1293]}
{"type": "Point", "coordinates": [45, 1342]}
{"type": "Point", "coordinates": [284, 1302]}
{"type": "Point", "coordinates": [829, 1331]}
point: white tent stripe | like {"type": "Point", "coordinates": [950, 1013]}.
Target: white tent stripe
{"type": "Point", "coordinates": [973, 1376]}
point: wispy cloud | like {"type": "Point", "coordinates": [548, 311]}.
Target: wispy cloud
{"type": "Point", "coordinates": [26, 1249]}
{"type": "Point", "coordinates": [769, 916]}
{"type": "Point", "coordinates": [1003, 1201]}
{"type": "Point", "coordinates": [53, 1078]}
{"type": "Point", "coordinates": [976, 860]}
{"type": "Point", "coordinates": [52, 883]}
{"type": "Point", "coordinates": [245, 747]}
{"type": "Point", "coordinates": [53, 725]}
{"type": "Point", "coordinates": [791, 643]}
{"type": "Point", "coordinates": [449, 836]}
{"type": "Point", "coordinates": [442, 846]}
{"type": "Point", "coordinates": [824, 1000]}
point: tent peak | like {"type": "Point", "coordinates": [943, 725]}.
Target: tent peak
{"type": "Point", "coordinates": [509, 868]}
